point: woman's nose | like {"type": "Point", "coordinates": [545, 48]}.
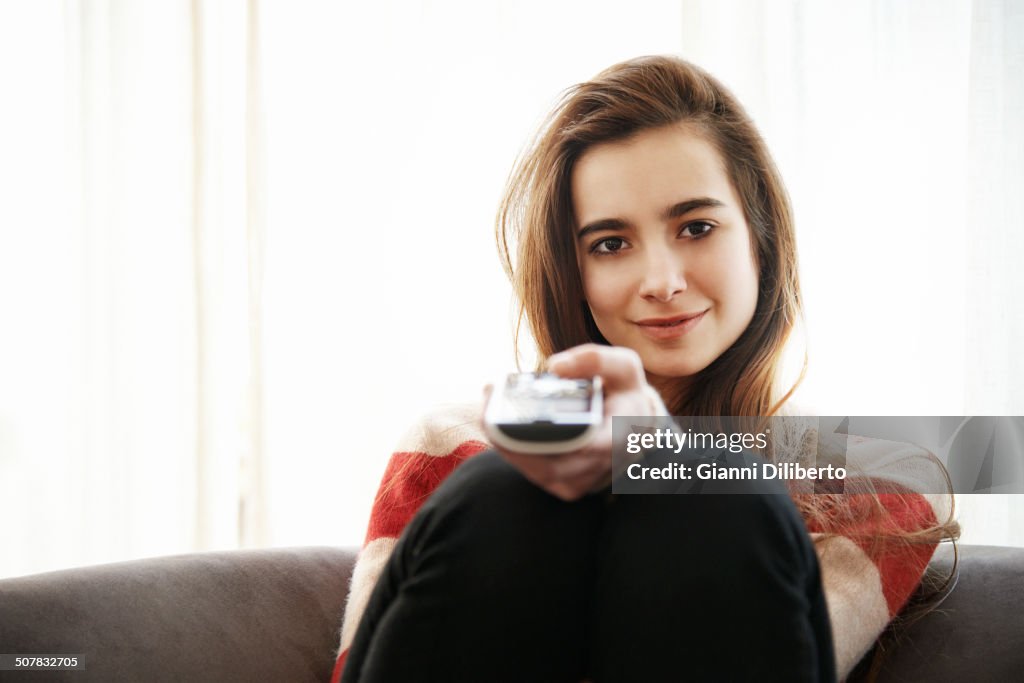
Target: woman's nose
{"type": "Point", "coordinates": [663, 277]}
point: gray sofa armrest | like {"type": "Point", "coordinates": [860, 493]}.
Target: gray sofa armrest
{"type": "Point", "coordinates": [245, 615]}
{"type": "Point", "coordinates": [976, 634]}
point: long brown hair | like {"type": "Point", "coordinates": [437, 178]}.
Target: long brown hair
{"type": "Point", "coordinates": [536, 215]}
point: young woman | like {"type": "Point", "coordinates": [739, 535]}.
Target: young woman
{"type": "Point", "coordinates": [655, 248]}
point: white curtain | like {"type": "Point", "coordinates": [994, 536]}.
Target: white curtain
{"type": "Point", "coordinates": [129, 267]}
{"type": "Point", "coordinates": [994, 316]}
{"type": "Point", "coordinates": [243, 244]}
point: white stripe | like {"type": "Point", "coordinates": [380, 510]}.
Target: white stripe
{"type": "Point", "coordinates": [369, 566]}
{"type": "Point", "coordinates": [856, 603]}
{"type": "Point", "coordinates": [441, 431]}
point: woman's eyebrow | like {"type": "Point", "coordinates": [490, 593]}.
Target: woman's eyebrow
{"type": "Point", "coordinates": [674, 211]}
{"type": "Point", "coordinates": [683, 208]}
{"type": "Point", "coordinates": [603, 224]}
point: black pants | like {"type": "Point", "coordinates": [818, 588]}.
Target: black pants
{"type": "Point", "coordinates": [496, 580]}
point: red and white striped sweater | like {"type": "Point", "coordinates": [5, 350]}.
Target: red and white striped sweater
{"type": "Point", "coordinates": [864, 588]}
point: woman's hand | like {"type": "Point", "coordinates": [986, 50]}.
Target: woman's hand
{"type": "Point", "coordinates": [572, 475]}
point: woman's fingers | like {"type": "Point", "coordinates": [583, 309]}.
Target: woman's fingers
{"type": "Point", "coordinates": [620, 368]}
{"type": "Point", "coordinates": [626, 390]}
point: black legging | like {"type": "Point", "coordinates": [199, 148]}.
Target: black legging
{"type": "Point", "coordinates": [496, 580]}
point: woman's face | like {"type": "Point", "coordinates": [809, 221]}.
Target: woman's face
{"type": "Point", "coordinates": [664, 250]}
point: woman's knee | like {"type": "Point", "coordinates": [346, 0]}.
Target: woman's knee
{"type": "Point", "coordinates": [703, 577]}
{"type": "Point", "coordinates": [486, 511]}
{"type": "Point", "coordinates": [486, 486]}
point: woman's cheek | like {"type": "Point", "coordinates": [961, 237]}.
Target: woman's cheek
{"type": "Point", "coordinates": [605, 293]}
{"type": "Point", "coordinates": [742, 288]}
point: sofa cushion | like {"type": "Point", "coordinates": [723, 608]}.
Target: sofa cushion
{"type": "Point", "coordinates": [244, 615]}
{"type": "Point", "coordinates": [975, 634]}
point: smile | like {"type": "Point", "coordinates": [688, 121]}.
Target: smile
{"type": "Point", "coordinates": [670, 328]}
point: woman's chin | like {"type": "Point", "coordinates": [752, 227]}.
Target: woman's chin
{"type": "Point", "coordinates": [665, 370]}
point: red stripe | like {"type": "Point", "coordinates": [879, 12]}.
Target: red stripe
{"type": "Point", "coordinates": [878, 533]}
{"type": "Point", "coordinates": [339, 666]}
{"type": "Point", "coordinates": [901, 567]}
{"type": "Point", "coordinates": [408, 481]}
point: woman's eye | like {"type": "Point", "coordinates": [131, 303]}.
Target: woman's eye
{"type": "Point", "coordinates": [609, 245]}
{"type": "Point", "coordinates": [698, 228]}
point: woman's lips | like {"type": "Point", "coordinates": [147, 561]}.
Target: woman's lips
{"type": "Point", "coordinates": [670, 328]}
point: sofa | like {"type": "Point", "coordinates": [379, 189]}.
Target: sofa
{"type": "Point", "coordinates": [273, 615]}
